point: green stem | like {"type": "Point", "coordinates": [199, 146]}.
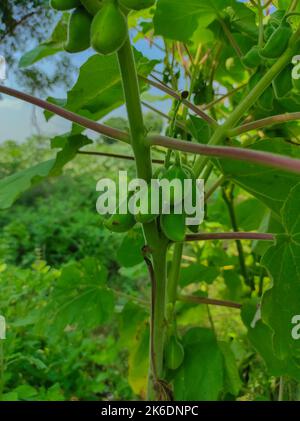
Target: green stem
{"type": "Point", "coordinates": [260, 24]}
{"type": "Point", "coordinates": [157, 245]}
{"type": "Point", "coordinates": [174, 273]}
{"type": "Point", "coordinates": [221, 132]}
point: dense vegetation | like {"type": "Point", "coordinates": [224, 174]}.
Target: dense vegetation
{"type": "Point", "coordinates": [214, 305]}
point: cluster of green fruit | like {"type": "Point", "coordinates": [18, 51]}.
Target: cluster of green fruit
{"type": "Point", "coordinates": [101, 24]}
{"type": "Point", "coordinates": [172, 225]}
{"type": "Point", "coordinates": [277, 34]}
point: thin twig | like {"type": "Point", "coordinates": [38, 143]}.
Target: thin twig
{"type": "Point", "coordinates": [177, 96]}
{"type": "Point", "coordinates": [118, 156]}
{"type": "Point", "coordinates": [210, 301]}
{"type": "Point", "coordinates": [162, 114]}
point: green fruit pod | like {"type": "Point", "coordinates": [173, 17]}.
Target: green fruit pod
{"type": "Point", "coordinates": [92, 6]}
{"type": "Point", "coordinates": [278, 42]}
{"type": "Point", "coordinates": [252, 58]}
{"type": "Point", "coordinates": [137, 4]}
{"type": "Point", "coordinates": [174, 353]}
{"type": "Point", "coordinates": [120, 222]}
{"type": "Point", "coordinates": [173, 226]}
{"type": "Point", "coordinates": [176, 172]}
{"type": "Point", "coordinates": [282, 84]}
{"type": "Point", "coordinates": [78, 31]}
{"type": "Point", "coordinates": [64, 4]}
{"type": "Point", "coordinates": [109, 29]}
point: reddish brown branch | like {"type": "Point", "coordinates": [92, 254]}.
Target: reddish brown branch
{"type": "Point", "coordinates": [68, 115]}
{"type": "Point", "coordinates": [230, 236]}
{"type": "Point", "coordinates": [239, 154]}
{"type": "Point", "coordinates": [210, 301]}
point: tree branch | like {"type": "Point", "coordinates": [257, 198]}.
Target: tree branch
{"type": "Point", "coordinates": [119, 156]}
{"type": "Point", "coordinates": [68, 115]}
{"type": "Point", "coordinates": [230, 236]}
{"type": "Point", "coordinates": [210, 301]}
{"type": "Point", "coordinates": [240, 154]}
{"type": "Point", "coordinates": [265, 122]}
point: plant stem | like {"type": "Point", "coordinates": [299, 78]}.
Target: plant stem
{"type": "Point", "coordinates": [68, 115]}
{"type": "Point", "coordinates": [230, 236]}
{"type": "Point", "coordinates": [174, 273]}
{"type": "Point", "coordinates": [261, 24]}
{"type": "Point", "coordinates": [240, 154]}
{"type": "Point", "coordinates": [114, 155]}
{"type": "Point", "coordinates": [157, 245]}
{"type": "Point", "coordinates": [193, 299]}
{"type": "Point", "coordinates": [265, 122]}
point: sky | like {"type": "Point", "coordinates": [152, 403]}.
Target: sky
{"type": "Point", "coordinates": [16, 116]}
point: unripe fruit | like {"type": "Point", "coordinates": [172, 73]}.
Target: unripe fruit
{"type": "Point", "coordinates": [120, 222]}
{"type": "Point", "coordinates": [109, 29]}
{"type": "Point", "coordinates": [92, 6]}
{"type": "Point", "coordinates": [137, 4]}
{"type": "Point", "coordinates": [78, 31]}
{"type": "Point", "coordinates": [174, 353]}
{"type": "Point", "coordinates": [64, 4]}
{"type": "Point", "coordinates": [173, 226]}
{"type": "Point", "coordinates": [176, 172]}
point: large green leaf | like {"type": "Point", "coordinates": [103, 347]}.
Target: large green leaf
{"type": "Point", "coordinates": [80, 298]}
{"type": "Point", "coordinates": [201, 375]}
{"type": "Point", "coordinates": [260, 336]}
{"type": "Point", "coordinates": [50, 47]}
{"type": "Point", "coordinates": [267, 184]}
{"type": "Point", "coordinates": [98, 90]}
{"type": "Point", "coordinates": [179, 19]}
{"type": "Point", "coordinates": [13, 186]}
{"type": "Point", "coordinates": [281, 302]}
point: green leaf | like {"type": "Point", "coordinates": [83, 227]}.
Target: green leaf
{"type": "Point", "coordinates": [198, 273]}
{"type": "Point", "coordinates": [267, 184]}
{"type": "Point", "coordinates": [179, 19]}
{"type": "Point", "coordinates": [14, 185]}
{"type": "Point", "coordinates": [200, 129]}
{"type": "Point", "coordinates": [70, 145]}
{"type": "Point", "coordinates": [260, 336]}
{"type": "Point", "coordinates": [130, 251]}
{"type": "Point", "coordinates": [80, 297]}
{"type": "Point", "coordinates": [50, 47]}
{"type": "Point", "coordinates": [98, 90]}
{"type": "Point", "coordinates": [201, 375]}
{"type": "Point", "coordinates": [131, 318]}
{"type": "Point", "coordinates": [138, 361]}
{"type": "Point", "coordinates": [281, 302]}
{"type": "Point", "coordinates": [232, 381]}
{"type": "Point", "coordinates": [242, 19]}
